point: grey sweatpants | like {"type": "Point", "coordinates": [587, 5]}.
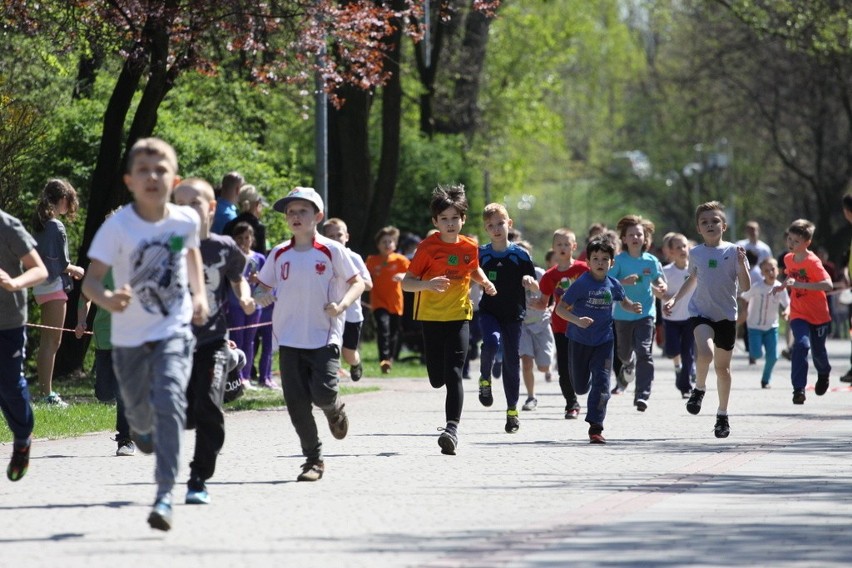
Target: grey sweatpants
{"type": "Point", "coordinates": [634, 348]}
{"type": "Point", "coordinates": [153, 379]}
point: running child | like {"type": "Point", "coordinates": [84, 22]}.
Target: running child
{"type": "Point", "coordinates": [387, 270]}
{"type": "Point", "coordinates": [763, 304]}
{"type": "Point", "coordinates": [680, 342]}
{"type": "Point", "coordinates": [537, 346]}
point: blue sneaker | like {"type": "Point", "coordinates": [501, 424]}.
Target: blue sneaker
{"type": "Point", "coordinates": [200, 497]}
{"type": "Point", "coordinates": [144, 442]}
{"type": "Point", "coordinates": [161, 515]}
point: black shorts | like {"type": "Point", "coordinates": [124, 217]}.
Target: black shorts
{"type": "Point", "coordinates": [724, 331]}
{"type": "Point", "coordinates": [352, 334]}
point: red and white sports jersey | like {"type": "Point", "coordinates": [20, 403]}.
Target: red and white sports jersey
{"type": "Point", "coordinates": [303, 283]}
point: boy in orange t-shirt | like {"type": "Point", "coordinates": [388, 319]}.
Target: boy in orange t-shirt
{"type": "Point", "coordinates": [807, 281]}
{"type": "Point", "coordinates": [387, 270]}
{"type": "Point", "coordinates": [440, 275]}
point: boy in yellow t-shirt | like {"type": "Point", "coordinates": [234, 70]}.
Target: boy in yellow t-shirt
{"type": "Point", "coordinates": [440, 275]}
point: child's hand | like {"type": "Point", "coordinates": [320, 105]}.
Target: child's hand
{"type": "Point", "coordinates": [263, 297]}
{"type": "Point", "coordinates": [252, 278]}
{"type": "Point", "coordinates": [530, 283]}
{"type": "Point", "coordinates": [75, 272]}
{"type": "Point", "coordinates": [79, 330]}
{"type": "Point", "coordinates": [668, 307]}
{"type": "Point", "coordinates": [248, 305]}
{"type": "Point", "coordinates": [786, 314]}
{"type": "Point", "coordinates": [333, 309]}
{"type": "Point", "coordinates": [585, 322]}
{"type": "Point", "coordinates": [741, 256]}
{"type": "Point", "coordinates": [200, 310]}
{"type": "Point", "coordinates": [660, 290]}
{"type": "Point", "coordinates": [779, 288]}
{"type": "Point", "coordinates": [117, 301]}
{"type": "Point", "coordinates": [636, 308]}
{"type": "Point", "coordinates": [7, 282]}
{"type": "Point", "coordinates": [630, 280]}
{"type": "Point", "coordinates": [439, 284]}
{"type": "Point", "coordinates": [489, 288]}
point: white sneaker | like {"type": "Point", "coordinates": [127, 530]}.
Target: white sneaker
{"type": "Point", "coordinates": [126, 449]}
{"type": "Point", "coordinates": [530, 404]}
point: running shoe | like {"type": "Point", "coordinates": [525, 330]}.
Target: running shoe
{"type": "Point", "coordinates": [693, 405]}
{"type": "Point", "coordinates": [512, 421]}
{"type": "Point", "coordinates": [485, 396]}
{"type": "Point", "coordinates": [722, 428]}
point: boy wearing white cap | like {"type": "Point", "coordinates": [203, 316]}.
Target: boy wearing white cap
{"type": "Point", "coordinates": [315, 281]}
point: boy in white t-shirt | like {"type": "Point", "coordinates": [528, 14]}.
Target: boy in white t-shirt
{"type": "Point", "coordinates": [679, 342]}
{"type": "Point", "coordinates": [315, 282]}
{"type": "Point", "coordinates": [335, 229]}
{"type": "Point", "coordinates": [152, 248]}
{"type": "Point", "coordinates": [762, 320]}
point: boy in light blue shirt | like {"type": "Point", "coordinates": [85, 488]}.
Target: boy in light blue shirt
{"type": "Point", "coordinates": [642, 277]}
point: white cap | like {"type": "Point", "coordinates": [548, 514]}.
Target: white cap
{"type": "Point", "coordinates": [306, 193]}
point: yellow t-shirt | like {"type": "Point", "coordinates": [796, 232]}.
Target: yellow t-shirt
{"type": "Point", "coordinates": [456, 261]}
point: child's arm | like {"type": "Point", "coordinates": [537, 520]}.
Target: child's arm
{"type": "Point", "coordinates": [34, 273]}
{"type": "Point", "coordinates": [93, 287]}
{"type": "Point", "coordinates": [743, 277]}
{"type": "Point", "coordinates": [480, 278]}
{"type": "Point", "coordinates": [195, 270]}
{"type": "Point", "coordinates": [688, 285]}
{"type": "Point", "coordinates": [563, 310]}
{"type": "Point", "coordinates": [411, 283]}
{"type": "Point", "coordinates": [630, 306]}
{"type": "Point", "coordinates": [75, 272]}
{"type": "Point", "coordinates": [659, 287]}
{"type": "Point", "coordinates": [530, 283]}
{"type": "Point", "coordinates": [821, 286]}
{"type": "Point", "coordinates": [82, 313]}
{"type": "Point", "coordinates": [353, 293]}
{"type": "Point", "coordinates": [242, 291]}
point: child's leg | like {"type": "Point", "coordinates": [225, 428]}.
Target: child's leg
{"type": "Point", "coordinates": [624, 350]}
{"type": "Point", "coordinates": [755, 343]}
{"type": "Point", "coordinates": [703, 354]}
{"type": "Point", "coordinates": [52, 315]}
{"type": "Point", "coordinates": [446, 344]}
{"type": "Point", "coordinates": [510, 334]}
{"type": "Point", "coordinates": [383, 334]}
{"type": "Point", "coordinates": [490, 344]}
{"type": "Point", "coordinates": [643, 345]}
{"type": "Point", "coordinates": [723, 377]}
{"type": "Point", "coordinates": [563, 367]}
{"type": "Point", "coordinates": [132, 366]}
{"type": "Point", "coordinates": [351, 340]}
{"type": "Point", "coordinates": [818, 335]}
{"type": "Point", "coordinates": [600, 369]}
{"type": "Point", "coordinates": [770, 345]}
{"type": "Point", "coordinates": [249, 340]}
{"type": "Point", "coordinates": [296, 385]}
{"type": "Point", "coordinates": [687, 353]}
{"type": "Point", "coordinates": [527, 365]}
{"type": "Point", "coordinates": [801, 346]}
{"type": "Point", "coordinates": [14, 393]}
{"type": "Point", "coordinates": [170, 370]}
{"type": "Point", "coordinates": [263, 343]}
{"type": "Point", "coordinates": [207, 385]}
{"type": "Point", "coordinates": [106, 389]}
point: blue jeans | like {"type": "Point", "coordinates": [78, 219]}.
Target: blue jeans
{"type": "Point", "coordinates": [497, 334]}
{"type": "Point", "coordinates": [760, 340]}
{"type": "Point", "coordinates": [14, 394]}
{"type": "Point", "coordinates": [591, 367]}
{"type": "Point", "coordinates": [806, 337]}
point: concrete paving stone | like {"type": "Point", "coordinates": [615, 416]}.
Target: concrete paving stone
{"type": "Point", "coordinates": [663, 492]}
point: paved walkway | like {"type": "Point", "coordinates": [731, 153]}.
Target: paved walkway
{"type": "Point", "coordinates": [663, 492]}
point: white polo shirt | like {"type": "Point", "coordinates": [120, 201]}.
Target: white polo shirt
{"type": "Point", "coordinates": [304, 282]}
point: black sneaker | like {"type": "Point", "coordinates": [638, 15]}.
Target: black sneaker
{"type": "Point", "coordinates": [722, 428]}
{"type": "Point", "coordinates": [356, 372]}
{"type": "Point", "coordinates": [448, 440]}
{"type": "Point", "coordinates": [338, 423]}
{"type": "Point", "coordinates": [799, 396]}
{"type": "Point", "coordinates": [596, 434]}
{"type": "Point", "coordinates": [485, 396]}
{"type": "Point", "coordinates": [693, 405]}
{"type": "Point", "coordinates": [311, 471]}
{"type": "Point", "coordinates": [19, 463]}
{"type": "Point", "coordinates": [847, 378]}
{"type": "Point", "coordinates": [572, 411]}
{"type": "Point", "coordinates": [512, 422]}
{"type": "Point", "coordinates": [821, 386]}
{"type": "Point", "coordinates": [641, 404]}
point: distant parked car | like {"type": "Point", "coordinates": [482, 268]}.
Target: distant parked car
{"type": "Point", "coordinates": [631, 162]}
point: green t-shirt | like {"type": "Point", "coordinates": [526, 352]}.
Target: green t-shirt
{"type": "Point", "coordinates": [102, 325]}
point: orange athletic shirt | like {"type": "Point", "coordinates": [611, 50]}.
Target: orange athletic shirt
{"type": "Point", "coordinates": [456, 261]}
{"type": "Point", "coordinates": [386, 293]}
{"type": "Point", "coordinates": [808, 305]}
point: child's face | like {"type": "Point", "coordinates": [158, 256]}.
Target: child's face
{"type": "Point", "coordinates": [449, 223]}
{"type": "Point", "coordinates": [336, 233]}
{"type": "Point", "coordinates": [151, 179]}
{"type": "Point", "coordinates": [769, 271]}
{"type": "Point", "coordinates": [62, 206]}
{"type": "Point", "coordinates": [599, 264]}
{"type": "Point", "coordinates": [386, 245]}
{"type": "Point", "coordinates": [678, 249]}
{"type": "Point", "coordinates": [302, 217]}
{"type": "Point", "coordinates": [711, 225]}
{"type": "Point", "coordinates": [244, 240]}
{"type": "Point", "coordinates": [497, 226]}
{"type": "Point", "coordinates": [848, 214]}
{"type": "Point", "coordinates": [634, 238]}
{"type": "Point", "coordinates": [191, 197]}
{"type": "Point", "coordinates": [563, 248]}
{"type": "Point", "coordinates": [797, 244]}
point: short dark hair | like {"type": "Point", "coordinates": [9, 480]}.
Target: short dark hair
{"type": "Point", "coordinates": [446, 196]}
{"type": "Point", "coordinates": [600, 244]}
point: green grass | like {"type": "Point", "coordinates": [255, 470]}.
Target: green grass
{"type": "Point", "coordinates": [85, 414]}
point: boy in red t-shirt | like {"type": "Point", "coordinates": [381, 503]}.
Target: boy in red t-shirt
{"type": "Point", "coordinates": [387, 270]}
{"type": "Point", "coordinates": [555, 281]}
{"type": "Point", "coordinates": [807, 281]}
